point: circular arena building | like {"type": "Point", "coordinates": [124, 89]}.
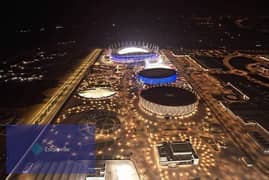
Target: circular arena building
{"type": "Point", "coordinates": [132, 52]}
{"type": "Point", "coordinates": [157, 76]}
{"type": "Point", "coordinates": [168, 101]}
{"type": "Point", "coordinates": [97, 93]}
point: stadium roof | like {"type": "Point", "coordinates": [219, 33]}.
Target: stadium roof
{"type": "Point", "coordinates": [169, 96]}
{"type": "Point", "coordinates": [132, 50]}
{"type": "Point", "coordinates": [157, 72]}
{"type": "Point", "coordinates": [97, 92]}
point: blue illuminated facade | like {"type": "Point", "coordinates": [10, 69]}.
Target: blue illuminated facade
{"type": "Point", "coordinates": [157, 81]}
{"type": "Point", "coordinates": [128, 58]}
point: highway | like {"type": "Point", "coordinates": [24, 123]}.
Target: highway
{"type": "Point", "coordinates": [51, 107]}
{"type": "Point", "coordinates": [48, 111]}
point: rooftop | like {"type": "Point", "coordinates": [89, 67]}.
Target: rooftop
{"type": "Point", "coordinates": [157, 72]}
{"type": "Point", "coordinates": [169, 96]}
{"type": "Point", "coordinates": [180, 148]}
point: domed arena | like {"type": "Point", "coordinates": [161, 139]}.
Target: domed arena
{"type": "Point", "coordinates": [168, 100]}
{"type": "Point", "coordinates": [157, 76]}
{"type": "Point", "coordinates": [132, 52]}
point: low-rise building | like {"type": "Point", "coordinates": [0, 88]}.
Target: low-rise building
{"type": "Point", "coordinates": [177, 153]}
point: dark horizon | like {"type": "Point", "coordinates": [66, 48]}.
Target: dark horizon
{"type": "Point", "coordinates": [102, 22]}
{"type": "Point", "coordinates": [25, 13]}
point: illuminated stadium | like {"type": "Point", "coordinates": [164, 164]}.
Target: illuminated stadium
{"type": "Point", "coordinates": [132, 52]}
{"type": "Point", "coordinates": [168, 101]}
{"type": "Point", "coordinates": [157, 76]}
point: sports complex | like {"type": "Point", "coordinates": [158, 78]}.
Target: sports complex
{"type": "Point", "coordinates": [162, 97]}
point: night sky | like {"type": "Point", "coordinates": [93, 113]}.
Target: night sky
{"type": "Point", "coordinates": [16, 13]}
{"type": "Point", "coordinates": [95, 19]}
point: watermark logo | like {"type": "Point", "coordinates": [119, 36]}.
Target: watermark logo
{"type": "Point", "coordinates": [56, 149]}
{"type": "Point", "coordinates": [37, 149]}
{"type": "Point", "coordinates": [31, 148]}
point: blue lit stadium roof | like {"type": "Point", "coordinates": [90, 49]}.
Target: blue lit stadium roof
{"type": "Point", "coordinates": [133, 57]}
{"type": "Point", "coordinates": [157, 76]}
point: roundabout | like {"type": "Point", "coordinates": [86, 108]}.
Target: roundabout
{"type": "Point", "coordinates": [106, 124]}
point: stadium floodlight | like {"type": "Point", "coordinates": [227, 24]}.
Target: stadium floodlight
{"type": "Point", "coordinates": [132, 50]}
